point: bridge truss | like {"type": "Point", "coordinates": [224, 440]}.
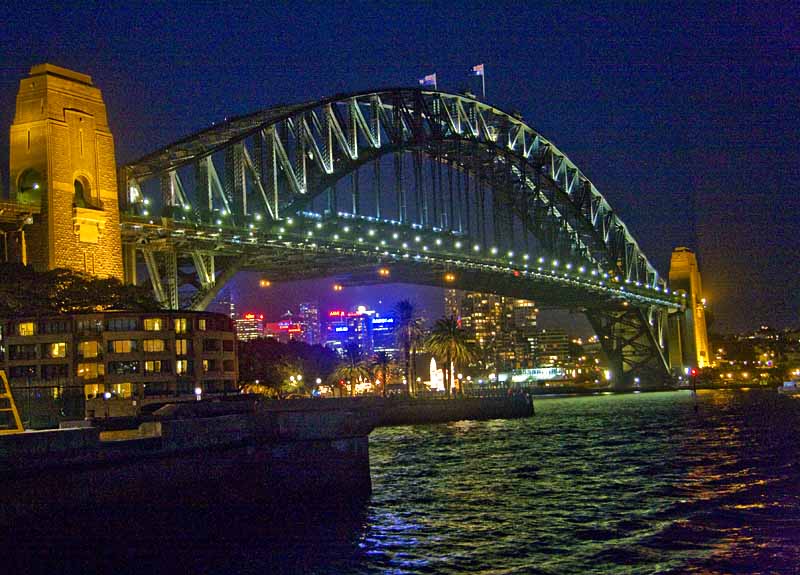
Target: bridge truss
{"type": "Point", "coordinates": [395, 185]}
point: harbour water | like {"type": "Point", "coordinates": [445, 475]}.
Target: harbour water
{"type": "Point", "coordinates": [639, 483]}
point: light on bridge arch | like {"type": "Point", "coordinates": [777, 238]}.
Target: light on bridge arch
{"type": "Point", "coordinates": [449, 277]}
{"type": "Point", "coordinates": [338, 287]}
{"type": "Point", "coordinates": [264, 283]}
{"type": "Point", "coordinates": [384, 272]}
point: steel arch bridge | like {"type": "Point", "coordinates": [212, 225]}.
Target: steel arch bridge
{"type": "Point", "coordinates": [406, 185]}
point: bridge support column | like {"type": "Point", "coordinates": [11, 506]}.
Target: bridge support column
{"type": "Point", "coordinates": [129, 263]}
{"type": "Point", "coordinates": [631, 347]}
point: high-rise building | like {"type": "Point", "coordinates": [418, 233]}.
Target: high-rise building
{"type": "Point", "coordinates": [452, 302]}
{"type": "Point", "coordinates": [501, 330]}
{"type": "Point", "coordinates": [224, 303]}
{"type": "Point", "coordinates": [249, 326]}
{"type": "Point", "coordinates": [309, 322]}
{"type": "Point", "coordinates": [551, 348]}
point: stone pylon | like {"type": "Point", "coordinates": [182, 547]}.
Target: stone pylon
{"type": "Point", "coordinates": [62, 160]}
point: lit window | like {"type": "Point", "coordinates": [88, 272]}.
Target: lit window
{"type": "Point", "coordinates": [27, 328]}
{"type": "Point", "coordinates": [201, 324]}
{"type": "Point", "coordinates": [123, 390]}
{"type": "Point", "coordinates": [88, 349]}
{"type": "Point", "coordinates": [121, 345]}
{"type": "Point", "coordinates": [93, 390]}
{"type": "Point", "coordinates": [181, 347]}
{"type": "Point", "coordinates": [153, 345]}
{"type": "Point", "coordinates": [152, 366]}
{"type": "Point", "coordinates": [181, 366]}
{"type": "Point", "coordinates": [90, 370]}
{"type": "Point", "coordinates": [205, 365]}
{"type": "Point", "coordinates": [58, 349]}
{"type": "Point", "coordinates": [153, 324]}
{"type": "Point", "coordinates": [180, 325]}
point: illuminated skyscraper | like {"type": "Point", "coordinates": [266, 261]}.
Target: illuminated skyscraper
{"type": "Point", "coordinates": [501, 330]}
{"type": "Point", "coordinates": [309, 322]}
{"type": "Point", "coordinates": [249, 326]}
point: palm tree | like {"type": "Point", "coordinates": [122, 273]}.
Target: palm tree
{"type": "Point", "coordinates": [381, 362]}
{"type": "Point", "coordinates": [409, 335]}
{"type": "Point", "coordinates": [353, 369]}
{"type": "Point", "coordinates": [448, 343]}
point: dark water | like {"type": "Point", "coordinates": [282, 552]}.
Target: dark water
{"type": "Point", "coordinates": [606, 484]}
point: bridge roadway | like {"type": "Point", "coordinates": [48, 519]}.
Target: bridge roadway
{"type": "Point", "coordinates": [403, 185]}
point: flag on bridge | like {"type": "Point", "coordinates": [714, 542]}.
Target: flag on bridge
{"type": "Point", "coordinates": [477, 70]}
{"type": "Point", "coordinates": [429, 80]}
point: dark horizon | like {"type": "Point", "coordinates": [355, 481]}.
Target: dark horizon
{"type": "Point", "coordinates": [684, 117]}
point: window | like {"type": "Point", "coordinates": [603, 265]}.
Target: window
{"type": "Point", "coordinates": [123, 390]}
{"type": "Point", "coordinates": [180, 324]}
{"type": "Point", "coordinates": [123, 324]}
{"type": "Point", "coordinates": [90, 371]}
{"type": "Point", "coordinates": [57, 349]}
{"type": "Point", "coordinates": [93, 390]}
{"type": "Point", "coordinates": [90, 325]}
{"type": "Point", "coordinates": [153, 324]}
{"type": "Point", "coordinates": [123, 367]}
{"type": "Point", "coordinates": [227, 365]}
{"type": "Point", "coordinates": [155, 388]}
{"type": "Point", "coordinates": [211, 345]}
{"type": "Point", "coordinates": [30, 187]}
{"type": "Point", "coordinates": [26, 351]}
{"type": "Point", "coordinates": [58, 371]}
{"type": "Point", "coordinates": [122, 345]}
{"type": "Point", "coordinates": [227, 345]}
{"type": "Point", "coordinates": [54, 326]}
{"type": "Point", "coordinates": [153, 345]}
{"type": "Point", "coordinates": [157, 366]}
{"type": "Point", "coordinates": [88, 349]}
{"type": "Point", "coordinates": [26, 328]}
{"type": "Point", "coordinates": [201, 324]}
{"type": "Point", "coordinates": [22, 371]}
{"type": "Point", "coordinates": [183, 347]}
{"type": "Point", "coordinates": [182, 366]}
{"type": "Point", "coordinates": [81, 198]}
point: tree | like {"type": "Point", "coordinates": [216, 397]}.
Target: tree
{"type": "Point", "coordinates": [25, 291]}
{"type": "Point", "coordinates": [448, 343]}
{"type": "Point", "coordinates": [267, 363]}
{"type": "Point", "coordinates": [353, 369]}
{"type": "Point", "coordinates": [409, 336]}
{"type": "Point", "coordinates": [381, 362]}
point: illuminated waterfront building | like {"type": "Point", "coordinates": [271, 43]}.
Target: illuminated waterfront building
{"type": "Point", "coordinates": [73, 366]}
{"type": "Point", "coordinates": [501, 329]}
{"type": "Point", "coordinates": [551, 348]}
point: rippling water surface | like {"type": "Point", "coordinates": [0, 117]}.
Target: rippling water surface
{"type": "Point", "coordinates": [629, 484]}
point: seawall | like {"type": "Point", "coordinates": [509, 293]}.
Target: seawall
{"type": "Point", "coordinates": [195, 455]}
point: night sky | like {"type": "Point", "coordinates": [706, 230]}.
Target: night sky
{"type": "Point", "coordinates": [663, 106]}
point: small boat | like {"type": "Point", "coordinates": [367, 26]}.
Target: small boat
{"type": "Point", "coordinates": [791, 387]}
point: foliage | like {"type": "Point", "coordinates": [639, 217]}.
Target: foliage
{"type": "Point", "coordinates": [409, 336]}
{"type": "Point", "coordinates": [448, 343]}
{"type": "Point", "coordinates": [26, 292]}
{"type": "Point", "coordinates": [354, 368]}
{"type": "Point", "coordinates": [271, 364]}
{"type": "Point", "coordinates": [381, 361]}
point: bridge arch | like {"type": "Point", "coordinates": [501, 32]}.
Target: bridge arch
{"type": "Point", "coordinates": [470, 187]}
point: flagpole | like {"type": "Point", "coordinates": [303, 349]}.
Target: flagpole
{"type": "Point", "coordinates": [483, 83]}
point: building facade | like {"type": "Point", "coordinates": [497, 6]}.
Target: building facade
{"type": "Point", "coordinates": [250, 326]}
{"type": "Point", "coordinates": [113, 363]}
{"type": "Point", "coordinates": [501, 329]}
{"type": "Point", "coordinates": [62, 164]}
